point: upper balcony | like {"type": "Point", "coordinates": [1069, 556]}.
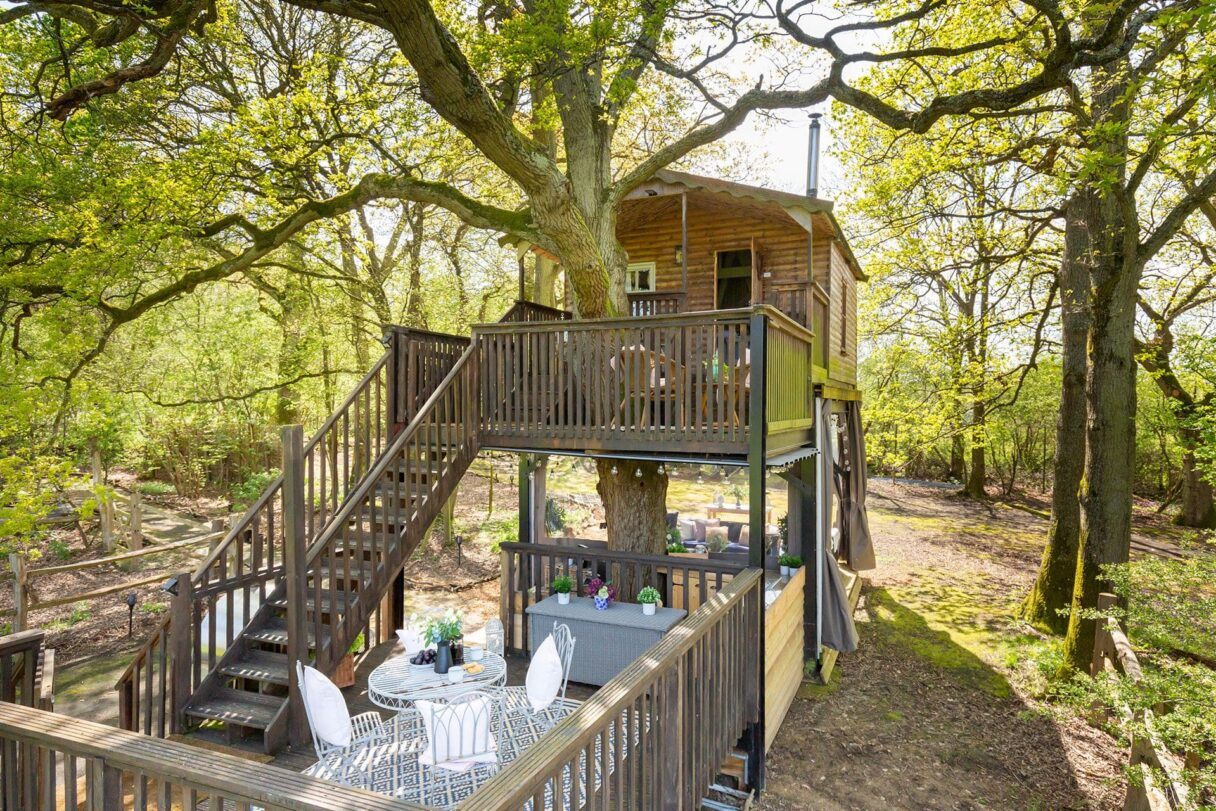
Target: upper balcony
{"type": "Point", "coordinates": [676, 384]}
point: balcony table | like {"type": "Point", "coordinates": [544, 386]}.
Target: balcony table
{"type": "Point", "coordinates": [396, 683]}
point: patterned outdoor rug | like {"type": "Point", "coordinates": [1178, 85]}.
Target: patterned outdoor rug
{"type": "Point", "coordinates": [392, 761]}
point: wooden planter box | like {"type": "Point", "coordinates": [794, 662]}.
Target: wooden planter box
{"type": "Point", "coordinates": [344, 675]}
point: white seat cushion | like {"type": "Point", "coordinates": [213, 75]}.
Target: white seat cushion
{"type": "Point", "coordinates": [544, 679]}
{"type": "Point", "coordinates": [457, 735]}
{"type": "Point", "coordinates": [326, 708]}
{"type": "Point", "coordinates": [688, 529]}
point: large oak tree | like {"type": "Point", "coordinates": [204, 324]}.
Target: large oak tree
{"type": "Point", "coordinates": [540, 88]}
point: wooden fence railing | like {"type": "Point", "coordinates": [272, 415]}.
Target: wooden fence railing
{"type": "Point", "coordinates": [27, 670]}
{"type": "Point", "coordinates": [527, 311]}
{"type": "Point", "coordinates": [528, 571]}
{"type": "Point", "coordinates": [656, 735]}
{"type": "Point", "coordinates": [1113, 650]}
{"type": "Point", "coordinates": [789, 399]}
{"type": "Point", "coordinates": [22, 576]}
{"type": "Point", "coordinates": [418, 360]}
{"type": "Point", "coordinates": [820, 325]}
{"type": "Point", "coordinates": [618, 384]}
{"type": "Point", "coordinates": [791, 298]}
{"type": "Point", "coordinates": [641, 304]}
{"type": "Point", "coordinates": [55, 763]}
{"type": "Point", "coordinates": [242, 570]}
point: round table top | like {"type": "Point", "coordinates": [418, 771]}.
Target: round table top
{"type": "Point", "coordinates": [396, 683]}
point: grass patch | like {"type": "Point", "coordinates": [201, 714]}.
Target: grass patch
{"type": "Point", "coordinates": [934, 633]}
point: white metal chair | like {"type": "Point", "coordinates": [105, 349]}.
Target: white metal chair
{"type": "Point", "coordinates": [515, 699]}
{"type": "Point", "coordinates": [495, 636]}
{"type": "Point", "coordinates": [461, 735]}
{"type": "Point", "coordinates": [330, 723]}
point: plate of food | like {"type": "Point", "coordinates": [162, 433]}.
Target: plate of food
{"type": "Point", "coordinates": [474, 668]}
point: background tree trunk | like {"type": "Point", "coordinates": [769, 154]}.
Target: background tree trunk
{"type": "Point", "coordinates": [1197, 505]}
{"type": "Point", "coordinates": [1052, 590]}
{"type": "Point", "coordinates": [1110, 388]}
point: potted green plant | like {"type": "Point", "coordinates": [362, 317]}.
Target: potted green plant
{"type": "Point", "coordinates": [562, 586]}
{"type": "Point", "coordinates": [444, 632]}
{"type": "Point", "coordinates": [789, 564]}
{"type": "Point", "coordinates": [649, 598]}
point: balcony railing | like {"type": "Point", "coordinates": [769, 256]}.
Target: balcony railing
{"type": "Point", "coordinates": [675, 383]}
{"type": "Point", "coordinates": [641, 304]}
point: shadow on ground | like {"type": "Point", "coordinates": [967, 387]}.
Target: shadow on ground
{"type": "Point", "coordinates": [916, 720]}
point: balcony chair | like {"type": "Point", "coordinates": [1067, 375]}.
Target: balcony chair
{"type": "Point", "coordinates": [461, 736]}
{"type": "Point", "coordinates": [338, 739]}
{"type": "Point", "coordinates": [542, 699]}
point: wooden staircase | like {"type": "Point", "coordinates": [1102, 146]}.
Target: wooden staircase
{"type": "Point", "coordinates": [351, 507]}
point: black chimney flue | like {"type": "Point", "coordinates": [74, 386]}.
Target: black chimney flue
{"type": "Point", "coordinates": [812, 157]}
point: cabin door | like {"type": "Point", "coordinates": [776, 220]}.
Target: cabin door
{"type": "Point", "coordinates": [734, 279]}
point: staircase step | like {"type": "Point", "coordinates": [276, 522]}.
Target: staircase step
{"type": "Point", "coordinates": [259, 665]}
{"type": "Point", "coordinates": [240, 707]}
{"type": "Point", "coordinates": [274, 632]}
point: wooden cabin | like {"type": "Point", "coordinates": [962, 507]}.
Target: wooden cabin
{"type": "Point", "coordinates": [698, 243]}
{"type": "Point", "coordinates": [741, 350]}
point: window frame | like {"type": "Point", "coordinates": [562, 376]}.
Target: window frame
{"type": "Point", "coordinates": [636, 266]}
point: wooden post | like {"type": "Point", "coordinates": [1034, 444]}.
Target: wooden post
{"type": "Point", "coordinates": [1102, 642]}
{"type": "Point", "coordinates": [392, 373]}
{"type": "Point", "coordinates": [801, 526]}
{"type": "Point", "coordinates": [540, 470]}
{"type": "Point", "coordinates": [756, 436]}
{"type": "Point", "coordinates": [105, 785]}
{"type": "Point", "coordinates": [181, 637]}
{"type": "Point", "coordinates": [684, 243]}
{"type": "Point", "coordinates": [294, 542]}
{"type": "Point", "coordinates": [525, 499]}
{"type": "Point", "coordinates": [217, 528]}
{"type": "Point", "coordinates": [106, 512]}
{"type": "Point", "coordinates": [137, 521]}
{"type": "Point", "coordinates": [21, 595]}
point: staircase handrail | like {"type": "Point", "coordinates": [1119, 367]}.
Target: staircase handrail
{"type": "Point", "coordinates": [387, 459]}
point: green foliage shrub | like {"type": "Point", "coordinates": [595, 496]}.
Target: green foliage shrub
{"type": "Point", "coordinates": [251, 488]}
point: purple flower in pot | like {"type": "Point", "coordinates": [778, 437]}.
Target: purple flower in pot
{"type": "Point", "coordinates": [601, 593]}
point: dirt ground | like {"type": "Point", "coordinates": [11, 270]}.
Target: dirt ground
{"type": "Point", "coordinates": [939, 707]}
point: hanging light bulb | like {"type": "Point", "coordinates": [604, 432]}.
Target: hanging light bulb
{"type": "Point", "coordinates": [637, 473]}
{"type": "Point", "coordinates": [700, 478]}
{"type": "Point", "coordinates": [614, 470]}
{"type": "Point", "coordinates": [662, 469]}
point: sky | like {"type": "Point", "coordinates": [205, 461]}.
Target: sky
{"type": "Point", "coordinates": [784, 145]}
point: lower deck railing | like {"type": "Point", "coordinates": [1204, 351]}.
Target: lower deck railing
{"type": "Point", "coordinates": [528, 571]}
{"type": "Point", "coordinates": [656, 735]}
{"type": "Point", "coordinates": [51, 762]}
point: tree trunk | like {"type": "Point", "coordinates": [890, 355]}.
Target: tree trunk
{"type": "Point", "coordinates": [958, 467]}
{"type": "Point", "coordinates": [1110, 387]}
{"type": "Point", "coordinates": [294, 306]}
{"type": "Point", "coordinates": [1052, 590]}
{"type": "Point", "coordinates": [1197, 504]}
{"type": "Point", "coordinates": [979, 471]}
{"type": "Point", "coordinates": [635, 507]}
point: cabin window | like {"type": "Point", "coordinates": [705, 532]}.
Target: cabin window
{"type": "Point", "coordinates": [639, 278]}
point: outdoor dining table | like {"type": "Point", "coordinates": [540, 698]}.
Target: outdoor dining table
{"type": "Point", "coordinates": [396, 683]}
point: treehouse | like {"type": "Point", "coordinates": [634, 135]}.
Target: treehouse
{"type": "Point", "coordinates": [740, 351]}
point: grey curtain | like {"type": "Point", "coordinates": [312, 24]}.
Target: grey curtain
{"type": "Point", "coordinates": [856, 546]}
{"type": "Point", "coordinates": [836, 621]}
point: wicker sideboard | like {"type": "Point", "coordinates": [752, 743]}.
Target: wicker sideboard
{"type": "Point", "coordinates": [605, 641]}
